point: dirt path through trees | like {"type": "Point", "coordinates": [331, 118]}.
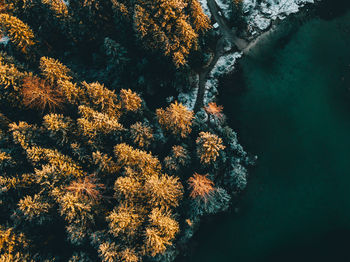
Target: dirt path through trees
{"type": "Point", "coordinates": [225, 44]}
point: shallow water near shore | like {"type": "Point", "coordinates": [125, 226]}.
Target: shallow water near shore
{"type": "Point", "coordinates": [293, 111]}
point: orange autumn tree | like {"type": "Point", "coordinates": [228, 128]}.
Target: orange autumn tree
{"type": "Point", "coordinates": [38, 93]}
{"type": "Point", "coordinates": [87, 187]}
{"type": "Point", "coordinates": [214, 110]}
{"type": "Point", "coordinates": [201, 186]}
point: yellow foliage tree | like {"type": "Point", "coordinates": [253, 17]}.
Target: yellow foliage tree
{"type": "Point", "coordinates": [121, 8]}
{"type": "Point", "coordinates": [161, 231]}
{"type": "Point", "coordinates": [10, 243]}
{"type": "Point", "coordinates": [10, 75]}
{"type": "Point", "coordinates": [19, 32]}
{"type": "Point", "coordinates": [128, 188]}
{"type": "Point", "coordinates": [176, 118]}
{"type": "Point", "coordinates": [155, 242]}
{"type": "Point", "coordinates": [93, 123]}
{"type": "Point", "coordinates": [164, 190]}
{"type": "Point", "coordinates": [141, 134]}
{"type": "Point", "coordinates": [58, 161]}
{"type": "Point", "coordinates": [130, 100]}
{"type": "Point", "coordinates": [129, 157]}
{"type": "Point", "coordinates": [73, 94]}
{"type": "Point", "coordinates": [108, 252]}
{"type": "Point", "coordinates": [208, 147]}
{"type": "Point", "coordinates": [8, 183]}
{"type": "Point", "coordinates": [201, 22]}
{"type": "Point", "coordinates": [74, 208]}
{"type": "Point", "coordinates": [124, 219]}
{"type": "Point", "coordinates": [33, 206]}
{"type": "Point", "coordinates": [59, 7]}
{"type": "Point", "coordinates": [22, 133]}
{"type": "Point", "coordinates": [166, 25]}
{"type": "Point", "coordinates": [178, 158]}
{"type": "Point", "coordinates": [162, 219]}
{"type": "Point", "coordinates": [105, 162]}
{"type": "Point", "coordinates": [5, 159]}
{"type": "Point", "coordinates": [102, 99]}
{"type": "Point", "coordinates": [58, 123]}
{"type": "Point", "coordinates": [129, 255]}
{"type": "Point", "coordinates": [53, 70]}
{"type": "Point", "coordinates": [10, 83]}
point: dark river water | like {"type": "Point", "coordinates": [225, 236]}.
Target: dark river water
{"type": "Point", "coordinates": [292, 110]}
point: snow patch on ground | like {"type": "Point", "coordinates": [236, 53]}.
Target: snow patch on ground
{"type": "Point", "coordinates": [224, 64]}
{"type": "Point", "coordinates": [226, 7]}
{"type": "Point", "coordinates": [188, 99]}
{"type": "Point", "coordinates": [4, 40]}
{"type": "Point", "coordinates": [260, 15]}
{"type": "Point", "coordinates": [261, 22]}
{"type": "Point", "coordinates": [205, 7]}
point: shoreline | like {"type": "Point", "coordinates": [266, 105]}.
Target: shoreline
{"type": "Point", "coordinates": [206, 75]}
{"type": "Point", "coordinates": [252, 107]}
{"type": "Point", "coordinates": [205, 83]}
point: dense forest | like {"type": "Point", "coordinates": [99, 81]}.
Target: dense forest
{"type": "Point", "coordinates": [98, 159]}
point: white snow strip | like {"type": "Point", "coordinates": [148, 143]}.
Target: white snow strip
{"type": "Point", "coordinates": [4, 40]}
{"type": "Point", "coordinates": [225, 64]}
{"type": "Point", "coordinates": [188, 99]}
{"type": "Point", "coordinates": [260, 15]}
{"type": "Point", "coordinates": [226, 7]}
{"type": "Point", "coordinates": [205, 7]}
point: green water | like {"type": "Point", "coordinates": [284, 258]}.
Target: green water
{"type": "Point", "coordinates": [294, 113]}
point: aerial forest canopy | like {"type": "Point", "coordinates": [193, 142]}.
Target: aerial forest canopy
{"type": "Point", "coordinates": [89, 170]}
